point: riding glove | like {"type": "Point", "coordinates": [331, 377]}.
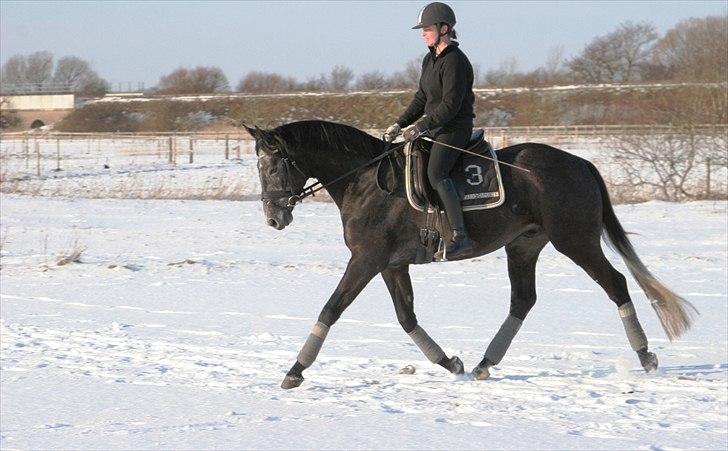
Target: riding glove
{"type": "Point", "coordinates": [412, 133]}
{"type": "Point", "coordinates": [392, 133]}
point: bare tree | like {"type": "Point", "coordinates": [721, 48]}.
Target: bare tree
{"type": "Point", "coordinates": [409, 77]}
{"type": "Point", "coordinates": [77, 73]}
{"type": "Point", "coordinates": [266, 82]}
{"type": "Point", "coordinates": [92, 85]}
{"type": "Point", "coordinates": [617, 56]}
{"type": "Point", "coordinates": [14, 70]}
{"type": "Point", "coordinates": [36, 68]}
{"type": "Point", "coordinates": [696, 49]}
{"type": "Point", "coordinates": [555, 59]}
{"type": "Point", "coordinates": [504, 75]}
{"type": "Point", "coordinates": [200, 80]}
{"type": "Point", "coordinates": [70, 70]}
{"type": "Point", "coordinates": [372, 81]}
{"type": "Point", "coordinates": [340, 78]}
{"type": "Point", "coordinates": [313, 84]}
{"type": "Point", "coordinates": [671, 167]}
{"type": "Point", "coordinates": [39, 69]}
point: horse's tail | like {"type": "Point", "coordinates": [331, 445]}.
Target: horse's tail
{"type": "Point", "coordinates": [675, 312]}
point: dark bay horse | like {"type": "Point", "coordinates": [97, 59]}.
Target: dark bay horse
{"type": "Point", "coordinates": [562, 200]}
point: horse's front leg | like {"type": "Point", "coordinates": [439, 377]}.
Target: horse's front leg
{"type": "Point", "coordinates": [358, 273]}
{"type": "Point", "coordinates": [400, 287]}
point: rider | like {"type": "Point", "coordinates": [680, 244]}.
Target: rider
{"type": "Point", "coordinates": [445, 97]}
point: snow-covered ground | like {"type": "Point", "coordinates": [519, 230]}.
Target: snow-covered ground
{"type": "Point", "coordinates": [177, 325]}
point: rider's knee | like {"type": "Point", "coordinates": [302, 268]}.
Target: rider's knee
{"type": "Point", "coordinates": [435, 176]}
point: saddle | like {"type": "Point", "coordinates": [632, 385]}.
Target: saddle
{"type": "Point", "coordinates": [477, 180]}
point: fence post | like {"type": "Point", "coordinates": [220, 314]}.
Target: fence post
{"type": "Point", "coordinates": [171, 151]}
{"type": "Point", "coordinates": [58, 154]}
{"type": "Point", "coordinates": [237, 151]}
{"type": "Point", "coordinates": [26, 152]}
{"type": "Point", "coordinates": [191, 151]}
{"type": "Point", "coordinates": [707, 178]}
{"type": "Point", "coordinates": [504, 142]}
{"type": "Point", "coordinates": [227, 147]}
{"type": "Point", "coordinates": [37, 158]}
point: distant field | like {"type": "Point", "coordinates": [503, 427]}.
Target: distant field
{"type": "Point", "coordinates": [695, 103]}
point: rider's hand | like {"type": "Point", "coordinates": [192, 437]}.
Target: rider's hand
{"type": "Point", "coordinates": [412, 133]}
{"type": "Point", "coordinates": [391, 133]}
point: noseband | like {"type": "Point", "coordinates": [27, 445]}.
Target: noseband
{"type": "Point", "coordinates": [287, 193]}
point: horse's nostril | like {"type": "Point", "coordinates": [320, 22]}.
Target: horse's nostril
{"type": "Point", "coordinates": [273, 223]}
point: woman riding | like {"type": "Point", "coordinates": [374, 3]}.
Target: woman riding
{"type": "Point", "coordinates": [445, 97]}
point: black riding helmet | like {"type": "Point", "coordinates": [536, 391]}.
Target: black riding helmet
{"type": "Point", "coordinates": [435, 13]}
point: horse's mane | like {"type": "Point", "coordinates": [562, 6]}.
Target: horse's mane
{"type": "Point", "coordinates": [337, 137]}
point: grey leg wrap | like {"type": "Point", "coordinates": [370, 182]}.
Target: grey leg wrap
{"type": "Point", "coordinates": [502, 340]}
{"type": "Point", "coordinates": [427, 345]}
{"type": "Point", "coordinates": [635, 334]}
{"type": "Point", "coordinates": [313, 344]}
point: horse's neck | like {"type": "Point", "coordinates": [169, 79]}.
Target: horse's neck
{"type": "Point", "coordinates": [334, 164]}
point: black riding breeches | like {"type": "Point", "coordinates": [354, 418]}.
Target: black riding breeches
{"type": "Point", "coordinates": [442, 158]}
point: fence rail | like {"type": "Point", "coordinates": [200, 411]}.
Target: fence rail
{"type": "Point", "coordinates": [35, 88]}
{"type": "Point", "coordinates": [64, 163]}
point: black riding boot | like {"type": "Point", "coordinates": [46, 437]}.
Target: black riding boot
{"type": "Point", "coordinates": [460, 245]}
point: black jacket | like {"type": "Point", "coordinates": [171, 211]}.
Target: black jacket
{"type": "Point", "coordinates": [445, 94]}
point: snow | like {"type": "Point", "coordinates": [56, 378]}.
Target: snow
{"type": "Point", "coordinates": [179, 322]}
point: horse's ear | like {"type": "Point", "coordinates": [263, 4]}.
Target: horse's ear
{"type": "Point", "coordinates": [253, 131]}
{"type": "Point", "coordinates": [269, 142]}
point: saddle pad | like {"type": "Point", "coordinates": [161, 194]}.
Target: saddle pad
{"type": "Point", "coordinates": [478, 180]}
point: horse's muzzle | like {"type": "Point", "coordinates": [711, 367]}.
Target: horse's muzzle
{"type": "Point", "coordinates": [279, 219]}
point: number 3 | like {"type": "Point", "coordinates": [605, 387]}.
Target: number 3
{"type": "Point", "coordinates": [476, 177]}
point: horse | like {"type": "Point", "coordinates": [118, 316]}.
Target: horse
{"type": "Point", "coordinates": [562, 199]}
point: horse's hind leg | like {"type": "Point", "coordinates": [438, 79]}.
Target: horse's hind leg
{"type": "Point", "coordinates": [589, 256]}
{"type": "Point", "coordinates": [399, 285]}
{"type": "Point", "coordinates": [522, 256]}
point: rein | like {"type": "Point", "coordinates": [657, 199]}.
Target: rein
{"type": "Point", "coordinates": [294, 198]}
{"type": "Point", "coordinates": [426, 138]}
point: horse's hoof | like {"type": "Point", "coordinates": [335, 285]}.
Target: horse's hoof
{"type": "Point", "coordinates": [648, 360]}
{"type": "Point", "coordinates": [291, 382]}
{"type": "Point", "coordinates": [456, 365]}
{"type": "Point", "coordinates": [481, 373]}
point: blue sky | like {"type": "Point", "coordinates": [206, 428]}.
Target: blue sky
{"type": "Point", "coordinates": [140, 41]}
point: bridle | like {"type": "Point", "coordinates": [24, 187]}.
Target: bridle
{"type": "Point", "coordinates": [287, 193]}
{"type": "Point", "coordinates": [292, 198]}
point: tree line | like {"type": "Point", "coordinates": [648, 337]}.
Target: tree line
{"type": "Point", "coordinates": [39, 70]}
{"type": "Point", "coordinates": [694, 50]}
